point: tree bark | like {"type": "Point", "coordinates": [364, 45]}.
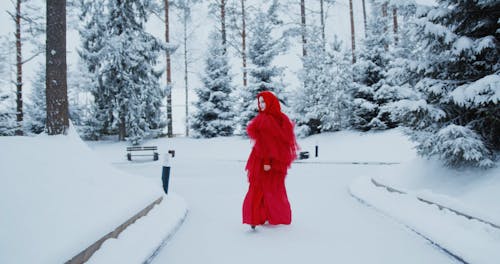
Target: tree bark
{"type": "Point", "coordinates": [395, 24]}
{"type": "Point", "coordinates": [243, 43]}
{"type": "Point", "coordinates": [186, 70]}
{"type": "Point", "coordinates": [169, 76]}
{"type": "Point", "coordinates": [364, 17]}
{"type": "Point", "coordinates": [322, 18]}
{"type": "Point", "coordinates": [56, 80]}
{"type": "Point", "coordinates": [353, 42]}
{"type": "Point", "coordinates": [19, 79]}
{"type": "Point", "coordinates": [303, 26]}
{"type": "Point", "coordinates": [223, 24]}
{"type": "Point", "coordinates": [384, 14]}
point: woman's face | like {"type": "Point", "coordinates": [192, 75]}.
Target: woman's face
{"type": "Point", "coordinates": [262, 103]}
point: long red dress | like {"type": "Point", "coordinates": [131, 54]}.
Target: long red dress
{"type": "Point", "coordinates": [275, 145]}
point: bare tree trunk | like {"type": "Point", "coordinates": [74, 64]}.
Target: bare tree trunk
{"type": "Point", "coordinates": [169, 76]}
{"type": "Point", "coordinates": [186, 70]}
{"type": "Point", "coordinates": [303, 26]}
{"type": "Point", "coordinates": [19, 64]}
{"type": "Point", "coordinates": [122, 129]}
{"type": "Point", "coordinates": [56, 79]}
{"type": "Point", "coordinates": [384, 14]}
{"type": "Point", "coordinates": [353, 40]}
{"type": "Point", "coordinates": [395, 24]}
{"type": "Point", "coordinates": [243, 43]}
{"type": "Point", "coordinates": [364, 18]}
{"type": "Point", "coordinates": [223, 23]}
{"type": "Point", "coordinates": [322, 18]}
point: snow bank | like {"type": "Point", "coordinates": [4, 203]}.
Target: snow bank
{"type": "Point", "coordinates": [390, 146]}
{"type": "Point", "coordinates": [140, 241]}
{"type": "Point", "coordinates": [470, 240]}
{"type": "Point", "coordinates": [57, 198]}
{"type": "Point", "coordinates": [471, 191]}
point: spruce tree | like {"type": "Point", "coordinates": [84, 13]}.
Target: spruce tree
{"type": "Point", "coordinates": [116, 48]}
{"type": "Point", "coordinates": [8, 123]}
{"type": "Point", "coordinates": [36, 109]}
{"type": "Point", "coordinates": [98, 119]}
{"type": "Point", "coordinates": [263, 48]}
{"type": "Point", "coordinates": [370, 73]}
{"type": "Point", "coordinates": [321, 104]}
{"type": "Point", "coordinates": [457, 118]}
{"type": "Point", "coordinates": [214, 115]}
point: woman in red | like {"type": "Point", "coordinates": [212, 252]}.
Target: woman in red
{"type": "Point", "coordinates": [272, 154]}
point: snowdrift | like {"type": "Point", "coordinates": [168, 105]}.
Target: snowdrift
{"type": "Point", "coordinates": [57, 198]}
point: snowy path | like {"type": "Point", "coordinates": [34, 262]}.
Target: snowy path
{"type": "Point", "coordinates": [328, 226]}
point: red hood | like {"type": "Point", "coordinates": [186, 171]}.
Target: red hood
{"type": "Point", "coordinates": [272, 103]}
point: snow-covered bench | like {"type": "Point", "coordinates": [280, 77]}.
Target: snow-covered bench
{"type": "Point", "coordinates": [142, 149]}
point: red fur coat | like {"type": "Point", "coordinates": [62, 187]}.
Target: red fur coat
{"type": "Point", "coordinates": [274, 145]}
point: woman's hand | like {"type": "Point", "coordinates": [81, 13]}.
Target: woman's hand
{"type": "Point", "coordinates": [267, 167]}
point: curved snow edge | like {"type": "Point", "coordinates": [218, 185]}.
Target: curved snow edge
{"type": "Point", "coordinates": [142, 240]}
{"type": "Point", "coordinates": [166, 239]}
{"type": "Point", "coordinates": [468, 241]}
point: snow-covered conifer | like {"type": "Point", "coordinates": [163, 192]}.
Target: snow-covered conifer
{"type": "Point", "coordinates": [322, 104]}
{"type": "Point", "coordinates": [370, 73]}
{"type": "Point", "coordinates": [36, 109]}
{"type": "Point", "coordinates": [264, 76]}
{"type": "Point", "coordinates": [122, 55]}
{"type": "Point", "coordinates": [459, 78]}
{"type": "Point", "coordinates": [214, 114]}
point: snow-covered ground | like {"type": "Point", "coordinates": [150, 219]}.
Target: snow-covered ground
{"type": "Point", "coordinates": [54, 210]}
{"type": "Point", "coordinates": [57, 198]}
{"type": "Point", "coordinates": [329, 225]}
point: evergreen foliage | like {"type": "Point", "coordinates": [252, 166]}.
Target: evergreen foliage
{"type": "Point", "coordinates": [457, 118]}
{"type": "Point", "coordinates": [215, 107]}
{"type": "Point", "coordinates": [264, 76]}
{"type": "Point", "coordinates": [8, 124]}
{"type": "Point", "coordinates": [370, 72]}
{"type": "Point", "coordinates": [322, 103]}
{"type": "Point", "coordinates": [121, 56]}
{"type": "Point", "coordinates": [36, 109]}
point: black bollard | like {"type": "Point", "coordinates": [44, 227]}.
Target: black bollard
{"type": "Point", "coordinates": [165, 175]}
{"type": "Point", "coordinates": [316, 153]}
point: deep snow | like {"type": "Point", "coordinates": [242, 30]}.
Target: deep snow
{"type": "Point", "coordinates": [57, 198]}
{"type": "Point", "coordinates": [54, 212]}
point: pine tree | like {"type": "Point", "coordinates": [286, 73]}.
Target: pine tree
{"type": "Point", "coordinates": [370, 73]}
{"type": "Point", "coordinates": [98, 117]}
{"type": "Point", "coordinates": [126, 91]}
{"type": "Point", "coordinates": [322, 104]}
{"type": "Point", "coordinates": [214, 109]}
{"type": "Point", "coordinates": [36, 109]}
{"type": "Point", "coordinates": [457, 117]}
{"type": "Point", "coordinates": [263, 48]}
{"type": "Point", "coordinates": [8, 124]}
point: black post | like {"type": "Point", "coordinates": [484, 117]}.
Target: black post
{"type": "Point", "coordinates": [316, 153]}
{"type": "Point", "coordinates": [165, 176]}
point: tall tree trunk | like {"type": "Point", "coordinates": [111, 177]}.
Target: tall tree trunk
{"type": "Point", "coordinates": [353, 42]}
{"type": "Point", "coordinates": [243, 43]}
{"type": "Point", "coordinates": [384, 15]}
{"type": "Point", "coordinates": [395, 24]}
{"type": "Point", "coordinates": [19, 64]}
{"type": "Point", "coordinates": [56, 81]}
{"type": "Point", "coordinates": [169, 76]}
{"type": "Point", "coordinates": [186, 69]}
{"type": "Point", "coordinates": [122, 129]}
{"type": "Point", "coordinates": [223, 23]}
{"type": "Point", "coordinates": [322, 18]}
{"type": "Point", "coordinates": [303, 26]}
{"type": "Point", "coordinates": [364, 17]}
